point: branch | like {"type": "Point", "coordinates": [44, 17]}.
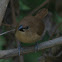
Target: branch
{"type": "Point", "coordinates": [14, 52]}
{"type": "Point", "coordinates": [37, 8]}
{"type": "Point", "coordinates": [3, 6]}
{"type": "Point", "coordinates": [13, 12]}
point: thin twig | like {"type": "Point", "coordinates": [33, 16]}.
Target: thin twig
{"type": "Point", "coordinates": [13, 13]}
{"type": "Point", "coordinates": [7, 32]}
{"type": "Point", "coordinates": [7, 25]}
{"type": "Point", "coordinates": [36, 9]}
{"type": "Point", "coordinates": [44, 45]}
{"type": "Point", "coordinates": [59, 54]}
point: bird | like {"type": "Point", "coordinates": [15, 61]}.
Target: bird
{"type": "Point", "coordinates": [31, 28]}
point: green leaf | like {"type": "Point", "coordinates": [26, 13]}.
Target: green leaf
{"type": "Point", "coordinates": [23, 6]}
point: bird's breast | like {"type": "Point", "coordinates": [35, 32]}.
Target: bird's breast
{"type": "Point", "coordinates": [27, 37]}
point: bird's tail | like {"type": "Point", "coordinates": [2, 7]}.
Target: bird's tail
{"type": "Point", "coordinates": [42, 13]}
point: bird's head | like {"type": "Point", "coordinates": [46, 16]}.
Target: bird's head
{"type": "Point", "coordinates": [27, 31]}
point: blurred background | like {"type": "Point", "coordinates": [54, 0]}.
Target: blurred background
{"type": "Point", "coordinates": [22, 9]}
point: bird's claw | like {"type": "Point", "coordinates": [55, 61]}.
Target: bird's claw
{"type": "Point", "coordinates": [36, 47]}
{"type": "Point", "coordinates": [20, 48]}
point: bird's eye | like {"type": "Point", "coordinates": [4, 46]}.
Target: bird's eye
{"type": "Point", "coordinates": [27, 27]}
{"type": "Point", "coordinates": [21, 28]}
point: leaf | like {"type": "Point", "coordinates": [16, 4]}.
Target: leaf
{"type": "Point", "coordinates": [23, 6]}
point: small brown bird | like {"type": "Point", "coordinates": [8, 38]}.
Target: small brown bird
{"type": "Point", "coordinates": [31, 28]}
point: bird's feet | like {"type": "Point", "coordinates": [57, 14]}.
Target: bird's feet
{"type": "Point", "coordinates": [36, 47]}
{"type": "Point", "coordinates": [20, 49]}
